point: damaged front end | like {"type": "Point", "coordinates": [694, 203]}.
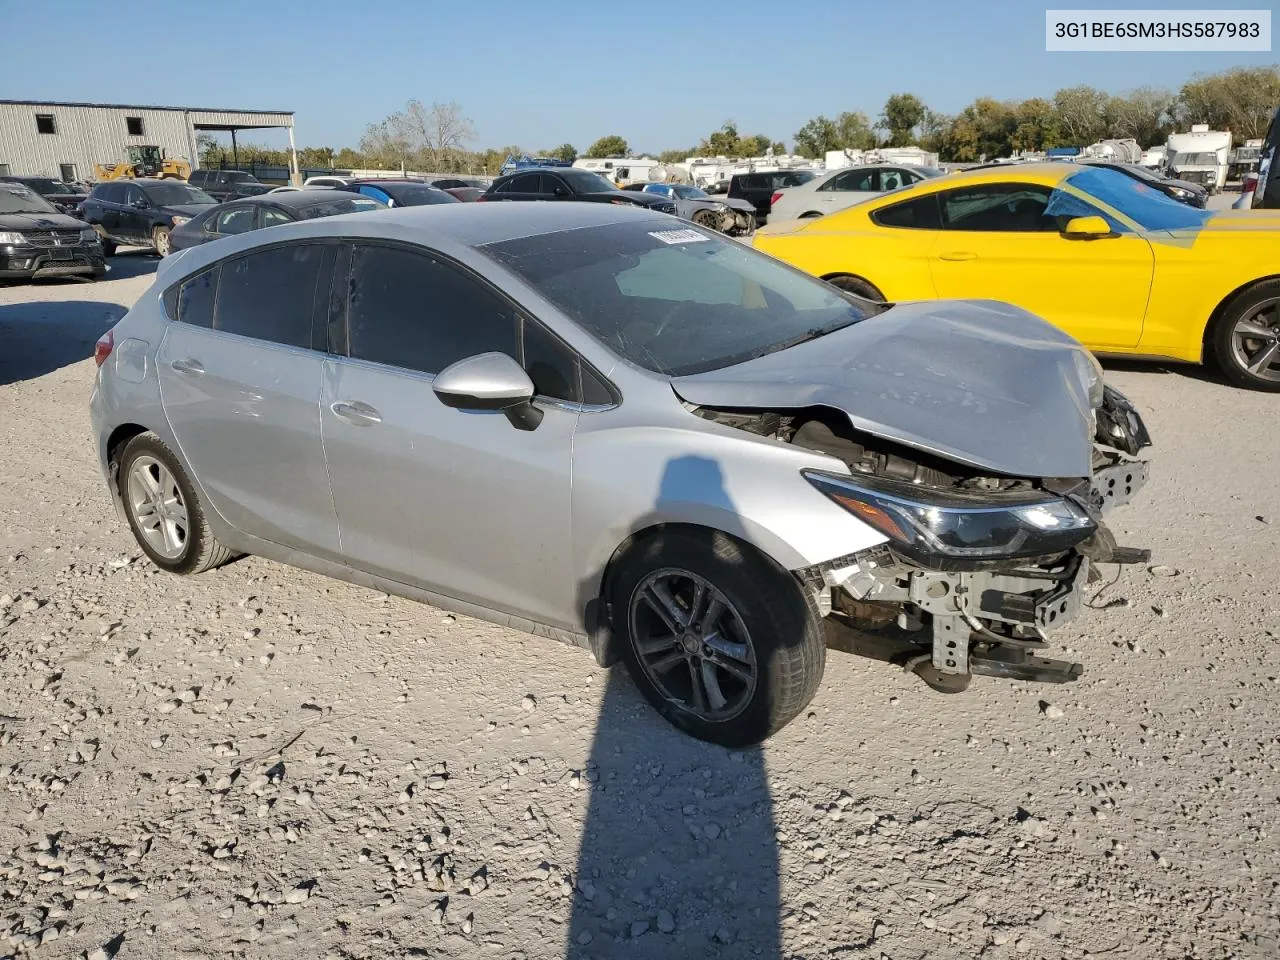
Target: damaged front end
{"type": "Point", "coordinates": [978, 566]}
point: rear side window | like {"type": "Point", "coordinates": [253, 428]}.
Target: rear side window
{"type": "Point", "coordinates": [920, 213]}
{"type": "Point", "coordinates": [412, 311]}
{"type": "Point", "coordinates": [195, 299]}
{"type": "Point", "coordinates": [269, 295]}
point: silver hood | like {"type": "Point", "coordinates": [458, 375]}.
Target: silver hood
{"type": "Point", "coordinates": [975, 381]}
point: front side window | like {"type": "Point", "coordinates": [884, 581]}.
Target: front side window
{"type": "Point", "coordinates": [677, 301]}
{"type": "Point", "coordinates": [271, 217]}
{"type": "Point", "coordinates": [1150, 208]}
{"type": "Point", "coordinates": [408, 310]}
{"type": "Point", "coordinates": [584, 181]}
{"type": "Point", "coordinates": [168, 193]}
{"type": "Point", "coordinates": [998, 207]}
{"type": "Point", "coordinates": [269, 294]}
{"type": "Point", "coordinates": [134, 197]}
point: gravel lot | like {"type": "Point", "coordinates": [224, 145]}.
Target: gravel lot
{"type": "Point", "coordinates": [261, 762]}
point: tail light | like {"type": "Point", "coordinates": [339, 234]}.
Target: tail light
{"type": "Point", "coordinates": [480, 199]}
{"type": "Point", "coordinates": [102, 349]}
{"type": "Point", "coordinates": [774, 198]}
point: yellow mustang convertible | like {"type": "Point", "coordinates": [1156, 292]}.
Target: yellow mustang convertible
{"type": "Point", "coordinates": [1116, 264]}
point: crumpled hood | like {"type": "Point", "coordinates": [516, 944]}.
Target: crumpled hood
{"type": "Point", "coordinates": [733, 203]}
{"type": "Point", "coordinates": [975, 381]}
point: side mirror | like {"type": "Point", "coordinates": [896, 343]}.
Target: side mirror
{"type": "Point", "coordinates": [139, 204]}
{"type": "Point", "coordinates": [1086, 228]}
{"type": "Point", "coordinates": [559, 192]}
{"type": "Point", "coordinates": [489, 382]}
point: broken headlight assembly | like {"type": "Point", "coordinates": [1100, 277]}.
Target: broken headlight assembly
{"type": "Point", "coordinates": [945, 528]}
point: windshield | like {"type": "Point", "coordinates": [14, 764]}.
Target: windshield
{"type": "Point", "coordinates": [1146, 206]}
{"type": "Point", "coordinates": [19, 198]}
{"type": "Point", "coordinates": [584, 181]}
{"type": "Point", "coordinates": [417, 195]}
{"type": "Point", "coordinates": [690, 193]}
{"type": "Point", "coordinates": [49, 186]}
{"type": "Point", "coordinates": [168, 193]}
{"type": "Point", "coordinates": [337, 205]}
{"type": "Point", "coordinates": [1195, 159]}
{"type": "Point", "coordinates": [677, 301]}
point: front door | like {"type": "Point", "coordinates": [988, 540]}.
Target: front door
{"type": "Point", "coordinates": [240, 383]}
{"type": "Point", "coordinates": [462, 503]}
{"type": "Point", "coordinates": [998, 243]}
{"type": "Point", "coordinates": [135, 220]}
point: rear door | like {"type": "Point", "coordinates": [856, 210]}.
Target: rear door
{"type": "Point", "coordinates": [449, 500]}
{"type": "Point", "coordinates": [240, 375]}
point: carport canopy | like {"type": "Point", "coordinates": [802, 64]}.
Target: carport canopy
{"type": "Point", "coordinates": [231, 121]}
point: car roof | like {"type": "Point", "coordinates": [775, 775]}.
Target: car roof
{"type": "Point", "coordinates": [299, 198]}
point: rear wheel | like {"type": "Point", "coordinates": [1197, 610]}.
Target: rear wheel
{"type": "Point", "coordinates": [858, 287]}
{"type": "Point", "coordinates": [160, 240]}
{"type": "Point", "coordinates": [165, 515]}
{"type": "Point", "coordinates": [1246, 338]}
{"type": "Point", "coordinates": [719, 638]}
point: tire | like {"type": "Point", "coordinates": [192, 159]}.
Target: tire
{"type": "Point", "coordinates": [160, 241]}
{"type": "Point", "coordinates": [1235, 352]}
{"type": "Point", "coordinates": [858, 287]}
{"type": "Point", "coordinates": [187, 546]}
{"type": "Point", "coordinates": [108, 246]}
{"type": "Point", "coordinates": [708, 219]}
{"type": "Point", "coordinates": [766, 628]}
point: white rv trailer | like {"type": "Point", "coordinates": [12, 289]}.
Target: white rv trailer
{"type": "Point", "coordinates": [1201, 156]}
{"type": "Point", "coordinates": [619, 170]}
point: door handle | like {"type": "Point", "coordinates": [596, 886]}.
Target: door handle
{"type": "Point", "coordinates": [191, 368]}
{"type": "Point", "coordinates": [957, 255]}
{"type": "Point", "coordinates": [355, 412]}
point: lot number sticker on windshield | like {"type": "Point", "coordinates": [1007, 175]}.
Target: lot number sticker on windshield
{"type": "Point", "coordinates": [679, 236]}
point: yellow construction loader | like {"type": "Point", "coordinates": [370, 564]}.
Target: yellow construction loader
{"type": "Point", "coordinates": [143, 161]}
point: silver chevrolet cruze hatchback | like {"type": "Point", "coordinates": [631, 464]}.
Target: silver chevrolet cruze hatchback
{"type": "Point", "coordinates": [607, 426]}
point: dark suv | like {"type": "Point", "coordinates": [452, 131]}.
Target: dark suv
{"type": "Point", "coordinates": [38, 241]}
{"type": "Point", "coordinates": [62, 195]}
{"type": "Point", "coordinates": [567, 184]}
{"type": "Point", "coordinates": [221, 184]}
{"type": "Point", "coordinates": [758, 188]}
{"type": "Point", "coordinates": [142, 212]}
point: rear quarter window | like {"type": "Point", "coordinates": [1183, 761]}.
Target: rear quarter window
{"type": "Point", "coordinates": [920, 214]}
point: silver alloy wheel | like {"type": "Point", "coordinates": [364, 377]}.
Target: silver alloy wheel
{"type": "Point", "coordinates": [692, 645]}
{"type": "Point", "coordinates": [155, 501]}
{"type": "Point", "coordinates": [162, 241]}
{"type": "Point", "coordinates": [1255, 341]}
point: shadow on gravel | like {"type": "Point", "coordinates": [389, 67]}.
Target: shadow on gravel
{"type": "Point", "coordinates": [41, 336]}
{"type": "Point", "coordinates": [679, 852]}
{"type": "Point", "coordinates": [127, 264]}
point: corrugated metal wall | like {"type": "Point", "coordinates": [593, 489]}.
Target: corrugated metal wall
{"type": "Point", "coordinates": [86, 135]}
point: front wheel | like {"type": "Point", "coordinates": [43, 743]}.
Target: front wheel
{"type": "Point", "coordinates": [1246, 340]}
{"type": "Point", "coordinates": [719, 639]}
{"type": "Point", "coordinates": [708, 219]}
{"type": "Point", "coordinates": [160, 240]}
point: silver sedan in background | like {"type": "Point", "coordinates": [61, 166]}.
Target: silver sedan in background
{"type": "Point", "coordinates": [841, 189]}
{"type": "Point", "coordinates": [606, 426]}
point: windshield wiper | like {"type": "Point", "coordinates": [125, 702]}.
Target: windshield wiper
{"type": "Point", "coordinates": [811, 334]}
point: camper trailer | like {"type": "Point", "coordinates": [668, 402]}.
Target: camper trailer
{"type": "Point", "coordinates": [1201, 156]}
{"type": "Point", "coordinates": [1244, 159]}
{"type": "Point", "coordinates": [619, 170]}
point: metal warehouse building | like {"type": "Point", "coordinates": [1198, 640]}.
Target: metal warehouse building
{"type": "Point", "coordinates": [65, 140]}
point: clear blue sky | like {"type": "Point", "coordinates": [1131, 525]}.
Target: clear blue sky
{"type": "Point", "coordinates": [542, 73]}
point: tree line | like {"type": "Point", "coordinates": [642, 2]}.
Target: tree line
{"type": "Point", "coordinates": [436, 137]}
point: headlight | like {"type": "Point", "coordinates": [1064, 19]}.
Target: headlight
{"type": "Point", "coordinates": [721, 208]}
{"type": "Point", "coordinates": [88, 236]}
{"type": "Point", "coordinates": [932, 525]}
{"type": "Point", "coordinates": [6, 237]}
{"type": "Point", "coordinates": [178, 221]}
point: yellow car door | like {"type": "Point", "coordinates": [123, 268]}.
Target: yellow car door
{"type": "Point", "coordinates": [998, 242]}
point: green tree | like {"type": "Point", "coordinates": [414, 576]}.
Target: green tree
{"type": "Point", "coordinates": [981, 130]}
{"type": "Point", "coordinates": [1143, 114]}
{"type": "Point", "coordinates": [610, 146]}
{"type": "Point", "coordinates": [566, 151]}
{"type": "Point", "coordinates": [853, 131]}
{"type": "Point", "coordinates": [903, 112]}
{"type": "Point", "coordinates": [1035, 126]}
{"type": "Point", "coordinates": [779, 148]}
{"type": "Point", "coordinates": [1082, 114]}
{"type": "Point", "coordinates": [676, 156]}
{"type": "Point", "coordinates": [1241, 100]}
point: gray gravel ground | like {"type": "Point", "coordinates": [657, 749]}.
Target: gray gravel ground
{"type": "Point", "coordinates": [259, 762]}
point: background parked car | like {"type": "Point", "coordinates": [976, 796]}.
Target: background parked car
{"type": "Point", "coordinates": [142, 212]}
{"type": "Point", "coordinates": [326, 181]}
{"type": "Point", "coordinates": [36, 240]}
{"type": "Point", "coordinates": [254, 213]}
{"type": "Point", "coordinates": [564, 183]}
{"type": "Point", "coordinates": [242, 190]}
{"type": "Point", "coordinates": [65, 197]}
{"type": "Point", "coordinates": [758, 188]}
{"type": "Point", "coordinates": [465, 194]}
{"type": "Point", "coordinates": [734, 217]}
{"type": "Point", "coordinates": [220, 184]}
{"type": "Point", "coordinates": [840, 189]}
{"type": "Point", "coordinates": [399, 193]}
{"type": "Point", "coordinates": [1184, 191]}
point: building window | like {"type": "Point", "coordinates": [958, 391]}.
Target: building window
{"type": "Point", "coordinates": [134, 125]}
{"type": "Point", "coordinates": [67, 171]}
{"type": "Point", "coordinates": [45, 124]}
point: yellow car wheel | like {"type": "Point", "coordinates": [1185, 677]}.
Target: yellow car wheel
{"type": "Point", "coordinates": [857, 286]}
{"type": "Point", "coordinates": [1246, 338]}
